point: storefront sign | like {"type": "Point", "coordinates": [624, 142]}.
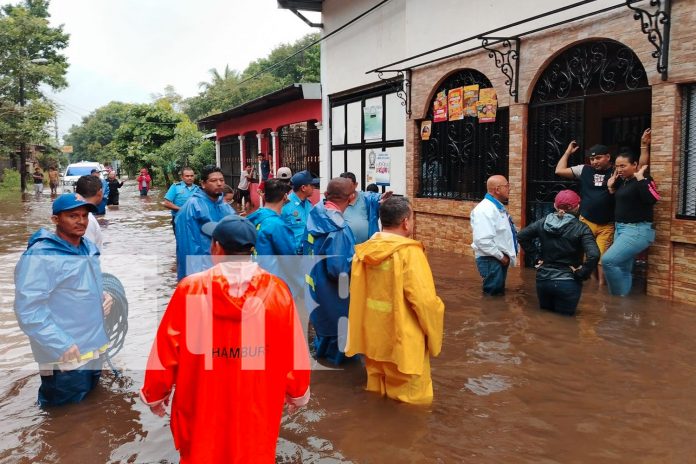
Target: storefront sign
{"type": "Point", "coordinates": [455, 104]}
{"type": "Point", "coordinates": [440, 107]}
{"type": "Point", "coordinates": [372, 122]}
{"type": "Point", "coordinates": [383, 169]}
{"type": "Point", "coordinates": [487, 105]}
{"type": "Point", "coordinates": [426, 127]}
{"type": "Point", "coordinates": [471, 96]}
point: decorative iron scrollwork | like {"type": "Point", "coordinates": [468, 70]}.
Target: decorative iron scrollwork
{"type": "Point", "coordinates": [506, 59]}
{"type": "Point", "coordinates": [401, 83]}
{"type": "Point", "coordinates": [656, 25]}
{"type": "Point", "coordinates": [590, 68]}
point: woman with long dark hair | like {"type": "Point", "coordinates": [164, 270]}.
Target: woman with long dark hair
{"type": "Point", "coordinates": [635, 195]}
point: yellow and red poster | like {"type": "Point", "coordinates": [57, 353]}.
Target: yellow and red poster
{"type": "Point", "coordinates": [426, 127]}
{"type": "Point", "coordinates": [455, 104]}
{"type": "Point", "coordinates": [487, 105]}
{"type": "Point", "coordinates": [471, 96]}
{"type": "Point", "coordinates": [440, 107]}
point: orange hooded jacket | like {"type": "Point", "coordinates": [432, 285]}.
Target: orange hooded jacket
{"type": "Point", "coordinates": [231, 342]}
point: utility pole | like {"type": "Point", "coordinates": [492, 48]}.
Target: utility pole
{"type": "Point", "coordinates": [23, 145]}
{"type": "Point", "coordinates": [55, 125]}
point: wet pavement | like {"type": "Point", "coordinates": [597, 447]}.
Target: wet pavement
{"type": "Point", "coordinates": [513, 384]}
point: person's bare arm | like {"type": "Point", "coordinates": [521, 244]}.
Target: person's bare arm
{"type": "Point", "coordinates": [645, 140]}
{"type": "Point", "coordinates": [169, 205]}
{"type": "Point", "coordinates": [562, 168]}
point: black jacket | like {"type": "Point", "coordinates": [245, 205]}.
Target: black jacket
{"type": "Point", "coordinates": [563, 240]}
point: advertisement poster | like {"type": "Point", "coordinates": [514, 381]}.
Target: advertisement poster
{"type": "Point", "coordinates": [455, 104]}
{"type": "Point", "coordinates": [487, 105]}
{"type": "Point", "coordinates": [440, 107]}
{"type": "Point", "coordinates": [426, 127]}
{"type": "Point", "coordinates": [372, 122]}
{"type": "Point", "coordinates": [471, 96]}
{"type": "Point", "coordinates": [382, 169]}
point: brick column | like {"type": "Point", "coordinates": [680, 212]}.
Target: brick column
{"type": "Point", "coordinates": [517, 155]}
{"type": "Point", "coordinates": [665, 123]}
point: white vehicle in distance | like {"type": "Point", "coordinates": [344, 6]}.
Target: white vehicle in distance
{"type": "Point", "coordinates": [76, 170]}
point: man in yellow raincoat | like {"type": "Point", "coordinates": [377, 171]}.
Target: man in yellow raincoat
{"type": "Point", "coordinates": [395, 317]}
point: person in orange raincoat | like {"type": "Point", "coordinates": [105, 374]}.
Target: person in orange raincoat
{"type": "Point", "coordinates": [395, 317]}
{"type": "Point", "coordinates": [231, 342]}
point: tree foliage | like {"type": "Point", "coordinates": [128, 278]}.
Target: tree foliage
{"type": "Point", "coordinates": [227, 89]}
{"type": "Point", "coordinates": [30, 56]}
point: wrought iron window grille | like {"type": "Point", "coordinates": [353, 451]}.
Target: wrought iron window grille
{"type": "Point", "coordinates": [687, 171]}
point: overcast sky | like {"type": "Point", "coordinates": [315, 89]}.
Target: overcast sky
{"type": "Point", "coordinates": [126, 50]}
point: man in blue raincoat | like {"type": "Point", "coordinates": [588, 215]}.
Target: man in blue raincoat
{"type": "Point", "coordinates": [205, 205]}
{"type": "Point", "coordinates": [60, 304]}
{"type": "Point", "coordinates": [274, 237]}
{"type": "Point", "coordinates": [328, 235]}
{"type": "Point", "coordinates": [296, 211]}
{"type": "Point", "coordinates": [362, 214]}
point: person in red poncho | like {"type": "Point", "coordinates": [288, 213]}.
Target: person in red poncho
{"type": "Point", "coordinates": [144, 180]}
{"type": "Point", "coordinates": [231, 342]}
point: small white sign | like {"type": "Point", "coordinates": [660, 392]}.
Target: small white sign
{"type": "Point", "coordinates": [383, 169]}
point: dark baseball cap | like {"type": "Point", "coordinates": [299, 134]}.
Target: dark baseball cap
{"type": "Point", "coordinates": [598, 150]}
{"type": "Point", "coordinates": [304, 178]}
{"type": "Point", "coordinates": [68, 201]}
{"type": "Point", "coordinates": [233, 232]}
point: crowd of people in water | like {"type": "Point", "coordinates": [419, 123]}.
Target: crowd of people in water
{"type": "Point", "coordinates": [231, 350]}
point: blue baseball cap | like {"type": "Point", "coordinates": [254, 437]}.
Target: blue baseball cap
{"type": "Point", "coordinates": [68, 201]}
{"type": "Point", "coordinates": [304, 178]}
{"type": "Point", "coordinates": [234, 233]}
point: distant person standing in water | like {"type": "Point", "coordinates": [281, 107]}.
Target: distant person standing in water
{"type": "Point", "coordinates": [144, 181]}
{"type": "Point", "coordinates": [53, 179]}
{"type": "Point", "coordinates": [114, 185]}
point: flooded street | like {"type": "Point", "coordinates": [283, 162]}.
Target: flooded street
{"type": "Point", "coordinates": [513, 384]}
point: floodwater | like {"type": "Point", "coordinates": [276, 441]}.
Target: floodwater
{"type": "Point", "coordinates": [513, 384]}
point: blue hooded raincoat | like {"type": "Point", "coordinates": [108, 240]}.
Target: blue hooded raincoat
{"type": "Point", "coordinates": [58, 296]}
{"type": "Point", "coordinates": [192, 245]}
{"type": "Point", "coordinates": [101, 207]}
{"type": "Point", "coordinates": [275, 238]}
{"type": "Point", "coordinates": [327, 235]}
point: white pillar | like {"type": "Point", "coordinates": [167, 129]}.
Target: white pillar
{"type": "Point", "coordinates": [274, 151]}
{"type": "Point", "coordinates": [217, 153]}
{"type": "Point", "coordinates": [242, 155]}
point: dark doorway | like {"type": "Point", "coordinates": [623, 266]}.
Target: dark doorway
{"type": "Point", "coordinates": [594, 92]}
{"type": "Point", "coordinates": [229, 160]}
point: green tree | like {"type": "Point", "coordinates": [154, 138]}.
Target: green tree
{"type": "Point", "coordinates": [146, 128]}
{"type": "Point", "coordinates": [91, 140]}
{"type": "Point", "coordinates": [30, 56]}
{"type": "Point", "coordinates": [187, 148]}
{"type": "Point", "coordinates": [229, 88]}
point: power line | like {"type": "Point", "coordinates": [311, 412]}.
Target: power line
{"type": "Point", "coordinates": [321, 39]}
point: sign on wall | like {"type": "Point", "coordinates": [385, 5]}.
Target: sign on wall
{"type": "Point", "coordinates": [372, 122]}
{"type": "Point", "coordinates": [383, 169]}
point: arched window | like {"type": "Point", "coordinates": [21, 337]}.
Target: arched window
{"type": "Point", "coordinates": [460, 155]}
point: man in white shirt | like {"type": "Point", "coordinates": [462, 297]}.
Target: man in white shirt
{"type": "Point", "coordinates": [90, 189]}
{"type": "Point", "coordinates": [245, 179]}
{"type": "Point", "coordinates": [495, 236]}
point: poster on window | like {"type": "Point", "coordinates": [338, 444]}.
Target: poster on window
{"type": "Point", "coordinates": [383, 169]}
{"type": "Point", "coordinates": [471, 96]}
{"type": "Point", "coordinates": [455, 103]}
{"type": "Point", "coordinates": [487, 105]}
{"type": "Point", "coordinates": [372, 122]}
{"type": "Point", "coordinates": [440, 107]}
{"type": "Point", "coordinates": [426, 128]}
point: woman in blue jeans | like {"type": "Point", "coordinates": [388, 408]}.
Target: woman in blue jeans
{"type": "Point", "coordinates": [563, 240]}
{"type": "Point", "coordinates": [635, 195]}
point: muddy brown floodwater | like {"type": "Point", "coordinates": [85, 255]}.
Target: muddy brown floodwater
{"type": "Point", "coordinates": [513, 384]}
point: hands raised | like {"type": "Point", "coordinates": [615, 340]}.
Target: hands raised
{"type": "Point", "coordinates": [646, 138]}
{"type": "Point", "coordinates": [573, 147]}
{"type": "Point", "coordinates": [640, 174]}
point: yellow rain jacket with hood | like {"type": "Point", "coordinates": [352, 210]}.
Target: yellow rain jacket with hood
{"type": "Point", "coordinates": [395, 314]}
